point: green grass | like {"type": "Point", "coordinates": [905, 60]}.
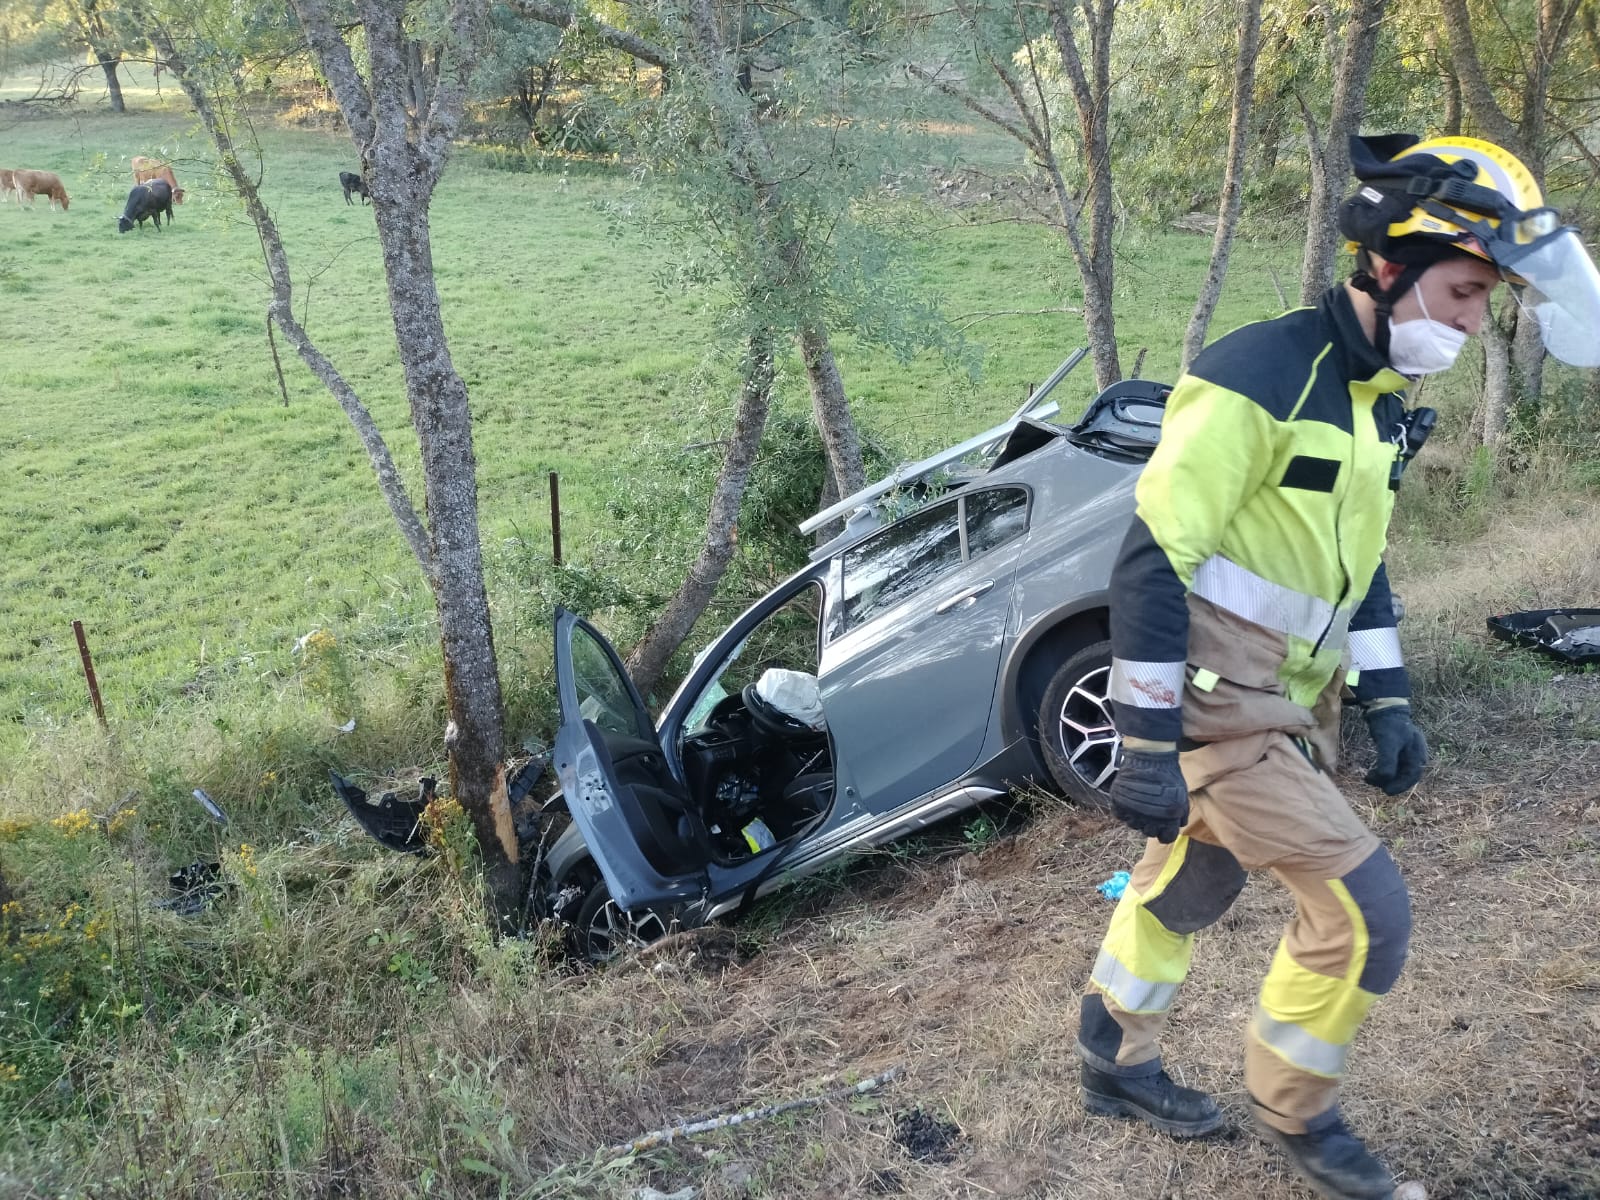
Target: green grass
{"type": "Point", "coordinates": [161, 492]}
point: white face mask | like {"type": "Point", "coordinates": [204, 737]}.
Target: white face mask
{"type": "Point", "coordinates": [1425, 346]}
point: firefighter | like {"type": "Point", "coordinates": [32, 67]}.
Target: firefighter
{"type": "Point", "coordinates": [1250, 594]}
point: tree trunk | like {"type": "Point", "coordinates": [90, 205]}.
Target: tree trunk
{"type": "Point", "coordinates": [649, 657]}
{"type": "Point", "coordinates": [1451, 125]}
{"type": "Point", "coordinates": [404, 173]}
{"type": "Point", "coordinates": [1091, 96]}
{"type": "Point", "coordinates": [109, 61]}
{"type": "Point", "coordinates": [1527, 361]}
{"type": "Point", "coordinates": [1244, 86]}
{"type": "Point", "coordinates": [1496, 402]}
{"type": "Point", "coordinates": [832, 411]}
{"type": "Point", "coordinates": [1333, 155]}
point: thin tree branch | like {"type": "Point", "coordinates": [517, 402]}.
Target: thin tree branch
{"type": "Point", "coordinates": [565, 16]}
{"type": "Point", "coordinates": [280, 307]}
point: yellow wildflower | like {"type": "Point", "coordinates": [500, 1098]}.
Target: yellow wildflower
{"type": "Point", "coordinates": [73, 823]}
{"type": "Point", "coordinates": [119, 820]}
{"type": "Point", "coordinates": [9, 1073]}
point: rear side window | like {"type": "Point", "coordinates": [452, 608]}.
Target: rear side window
{"type": "Point", "coordinates": [900, 561]}
{"type": "Point", "coordinates": [994, 518]}
{"type": "Point", "coordinates": [913, 553]}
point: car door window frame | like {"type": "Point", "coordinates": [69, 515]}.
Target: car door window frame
{"type": "Point", "coordinates": [835, 623]}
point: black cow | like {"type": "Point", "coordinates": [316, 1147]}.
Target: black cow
{"type": "Point", "coordinates": [351, 182]}
{"type": "Point", "coordinates": [147, 200]}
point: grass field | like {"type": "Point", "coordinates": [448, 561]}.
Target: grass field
{"type": "Point", "coordinates": [162, 492]}
{"type": "Point", "coordinates": [339, 1022]}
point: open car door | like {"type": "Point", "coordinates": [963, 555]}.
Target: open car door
{"type": "Point", "coordinates": [644, 831]}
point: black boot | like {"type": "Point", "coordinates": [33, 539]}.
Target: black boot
{"type": "Point", "coordinates": [1334, 1161]}
{"type": "Point", "coordinates": [1152, 1098]}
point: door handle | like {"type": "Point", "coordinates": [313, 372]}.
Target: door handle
{"type": "Point", "coordinates": [961, 598]}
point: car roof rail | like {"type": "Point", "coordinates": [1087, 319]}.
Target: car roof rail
{"type": "Point", "coordinates": [910, 472]}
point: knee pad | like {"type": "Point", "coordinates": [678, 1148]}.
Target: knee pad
{"type": "Point", "coordinates": [1205, 885]}
{"type": "Point", "coordinates": [1380, 893]}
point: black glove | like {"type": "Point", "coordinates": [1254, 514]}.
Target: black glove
{"type": "Point", "coordinates": [1402, 750]}
{"type": "Point", "coordinates": [1149, 794]}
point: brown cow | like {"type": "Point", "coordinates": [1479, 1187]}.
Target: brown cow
{"type": "Point", "coordinates": [146, 169]}
{"type": "Point", "coordinates": [8, 185]}
{"type": "Point", "coordinates": [41, 183]}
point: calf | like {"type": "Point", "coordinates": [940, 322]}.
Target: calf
{"type": "Point", "coordinates": [351, 182]}
{"type": "Point", "coordinates": [146, 200]}
{"type": "Point", "coordinates": [40, 183]}
{"type": "Point", "coordinates": [146, 169]}
{"type": "Point", "coordinates": [8, 185]}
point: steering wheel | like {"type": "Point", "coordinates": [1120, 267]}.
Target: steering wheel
{"type": "Point", "coordinates": [775, 723]}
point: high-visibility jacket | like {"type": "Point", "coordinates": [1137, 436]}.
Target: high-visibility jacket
{"type": "Point", "coordinates": [1251, 580]}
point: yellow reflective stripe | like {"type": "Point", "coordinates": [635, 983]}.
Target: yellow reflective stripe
{"type": "Point", "coordinates": [1307, 1018]}
{"type": "Point", "coordinates": [1142, 962]}
{"type": "Point", "coordinates": [1352, 678]}
{"type": "Point", "coordinates": [1311, 381]}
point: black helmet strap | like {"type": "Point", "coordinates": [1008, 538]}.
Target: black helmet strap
{"type": "Point", "coordinates": [1385, 298]}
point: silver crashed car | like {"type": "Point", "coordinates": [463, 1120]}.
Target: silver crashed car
{"type": "Point", "coordinates": [913, 668]}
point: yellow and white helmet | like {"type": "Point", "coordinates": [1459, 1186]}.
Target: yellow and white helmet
{"type": "Point", "coordinates": [1420, 201]}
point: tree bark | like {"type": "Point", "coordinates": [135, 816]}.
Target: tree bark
{"type": "Point", "coordinates": [403, 174]}
{"type": "Point", "coordinates": [1496, 402]}
{"type": "Point", "coordinates": [1332, 155]}
{"type": "Point", "coordinates": [109, 61]}
{"type": "Point", "coordinates": [1486, 112]}
{"type": "Point", "coordinates": [831, 408]}
{"type": "Point", "coordinates": [649, 658]}
{"type": "Point", "coordinates": [403, 161]}
{"type": "Point", "coordinates": [1244, 86]}
{"type": "Point", "coordinates": [1091, 96]}
{"type": "Point", "coordinates": [1450, 126]}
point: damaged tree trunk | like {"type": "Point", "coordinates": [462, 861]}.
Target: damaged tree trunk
{"type": "Point", "coordinates": [649, 658]}
{"type": "Point", "coordinates": [403, 162]}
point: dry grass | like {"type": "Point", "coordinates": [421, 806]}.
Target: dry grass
{"type": "Point", "coordinates": [358, 1035]}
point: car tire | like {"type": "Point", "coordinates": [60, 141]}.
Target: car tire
{"type": "Point", "coordinates": [601, 931]}
{"type": "Point", "coordinates": [1081, 747]}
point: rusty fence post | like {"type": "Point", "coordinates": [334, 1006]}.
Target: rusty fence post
{"type": "Point", "coordinates": [88, 673]}
{"type": "Point", "coordinates": [555, 515]}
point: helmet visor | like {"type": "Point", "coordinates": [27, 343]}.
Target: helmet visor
{"type": "Point", "coordinates": [1562, 290]}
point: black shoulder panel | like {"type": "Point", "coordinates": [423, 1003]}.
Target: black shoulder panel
{"type": "Point", "coordinates": [1275, 362]}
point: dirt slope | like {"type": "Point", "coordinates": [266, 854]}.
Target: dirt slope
{"type": "Point", "coordinates": [1479, 1075]}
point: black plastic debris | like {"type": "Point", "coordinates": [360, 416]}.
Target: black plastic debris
{"type": "Point", "coordinates": [924, 1137]}
{"type": "Point", "coordinates": [394, 822]}
{"type": "Point", "coordinates": [193, 887]}
{"type": "Point", "coordinates": [1569, 634]}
